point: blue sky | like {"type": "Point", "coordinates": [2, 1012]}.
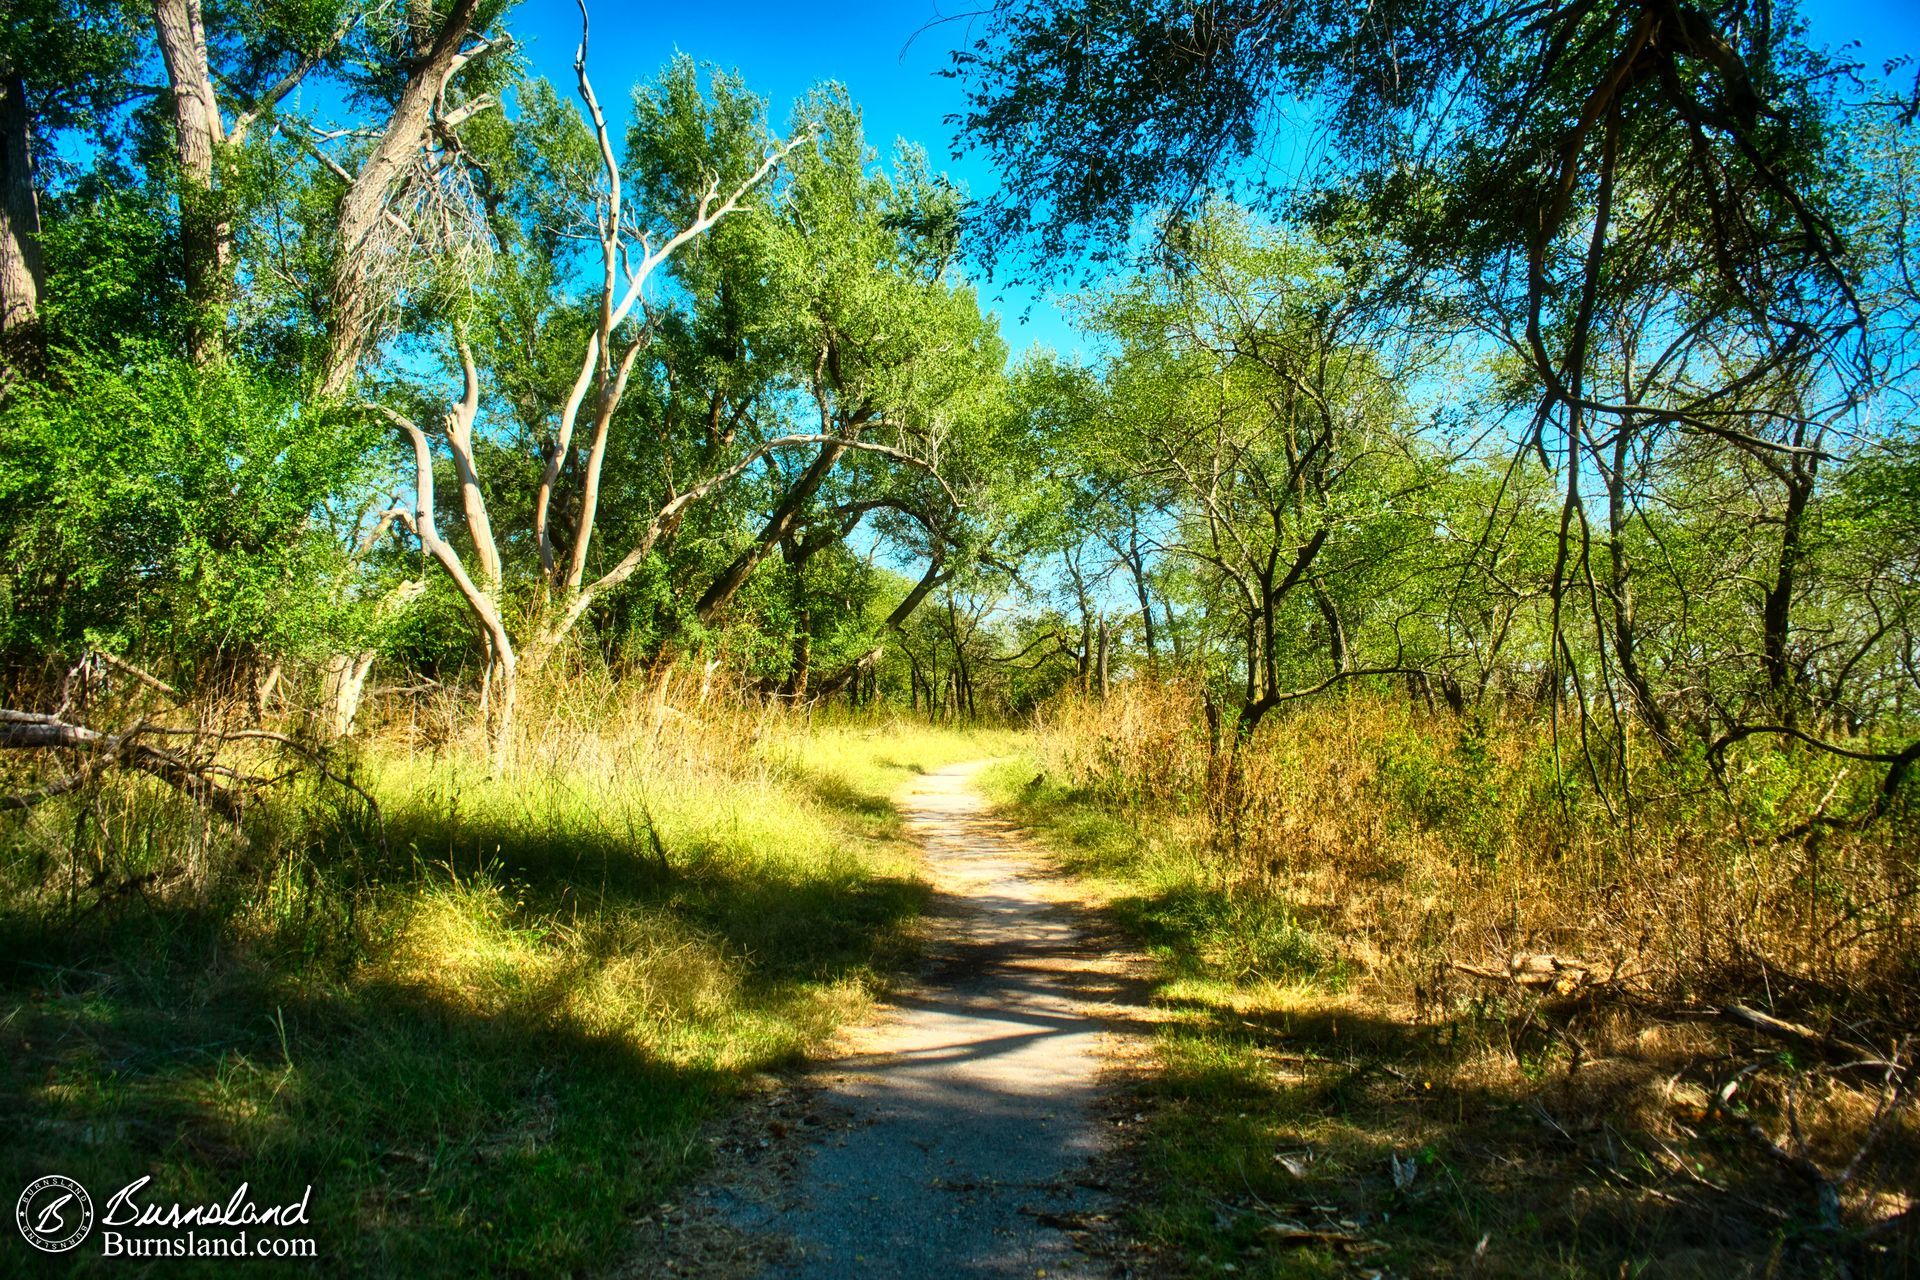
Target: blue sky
{"type": "Point", "coordinates": [888, 54]}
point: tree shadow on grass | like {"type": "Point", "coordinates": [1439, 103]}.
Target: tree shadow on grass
{"type": "Point", "coordinates": [1208, 931]}
{"type": "Point", "coordinates": [1282, 1101]}
{"type": "Point", "coordinates": [876, 813]}
{"type": "Point", "coordinates": [782, 919]}
{"type": "Point", "coordinates": [1385, 1131]}
{"type": "Point", "coordinates": [507, 1100]}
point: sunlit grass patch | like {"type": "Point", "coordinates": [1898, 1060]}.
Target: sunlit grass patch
{"type": "Point", "coordinates": [487, 1031]}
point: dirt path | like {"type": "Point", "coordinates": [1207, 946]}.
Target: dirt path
{"type": "Point", "coordinates": [959, 1135]}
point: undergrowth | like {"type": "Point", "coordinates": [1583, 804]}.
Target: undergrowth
{"type": "Point", "coordinates": [1349, 1079]}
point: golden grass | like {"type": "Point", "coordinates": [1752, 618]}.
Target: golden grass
{"type": "Point", "coordinates": [1415, 840]}
{"type": "Point", "coordinates": [1315, 902]}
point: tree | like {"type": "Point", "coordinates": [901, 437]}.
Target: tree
{"type": "Point", "coordinates": [64, 65]}
{"type": "Point", "coordinates": [701, 161]}
{"type": "Point", "coordinates": [1641, 214]}
{"type": "Point", "coordinates": [1252, 387]}
{"type": "Point", "coordinates": [870, 332]}
{"type": "Point", "coordinates": [270, 54]}
{"type": "Point", "coordinates": [737, 162]}
{"type": "Point", "coordinates": [415, 163]}
{"type": "Point", "coordinates": [168, 511]}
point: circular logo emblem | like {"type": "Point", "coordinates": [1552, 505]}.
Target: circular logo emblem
{"type": "Point", "coordinates": [54, 1213]}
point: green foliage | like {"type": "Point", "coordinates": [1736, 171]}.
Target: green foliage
{"type": "Point", "coordinates": [171, 511]}
{"type": "Point", "coordinates": [76, 57]}
{"type": "Point", "coordinates": [109, 255]}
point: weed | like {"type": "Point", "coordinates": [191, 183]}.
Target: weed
{"type": "Point", "coordinates": [1344, 1076]}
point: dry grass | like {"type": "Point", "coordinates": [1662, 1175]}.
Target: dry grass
{"type": "Point", "coordinates": [1336, 912]}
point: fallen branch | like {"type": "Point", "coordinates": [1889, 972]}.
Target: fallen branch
{"type": "Point", "coordinates": [1792, 1153]}
{"type": "Point", "coordinates": [1794, 1033]}
{"type": "Point", "coordinates": [1290, 1234]}
{"type": "Point", "coordinates": [197, 779]}
{"type": "Point", "coordinates": [31, 731]}
{"type": "Point", "coordinates": [1295, 1235]}
{"type": "Point", "coordinates": [146, 678]}
{"type": "Point", "coordinates": [58, 787]}
{"type": "Point", "coordinates": [1524, 970]}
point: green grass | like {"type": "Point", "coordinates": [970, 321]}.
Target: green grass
{"type": "Point", "coordinates": [1208, 1143]}
{"type": "Point", "coordinates": [1174, 899]}
{"type": "Point", "coordinates": [489, 1044]}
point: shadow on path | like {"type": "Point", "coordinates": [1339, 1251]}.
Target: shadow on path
{"type": "Point", "coordinates": [957, 1135]}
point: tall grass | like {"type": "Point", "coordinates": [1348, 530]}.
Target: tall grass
{"type": "Point", "coordinates": [1337, 906]}
{"type": "Point", "coordinates": [486, 1021]}
{"type": "Point", "coordinates": [1418, 839]}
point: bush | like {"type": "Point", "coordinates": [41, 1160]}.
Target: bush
{"type": "Point", "coordinates": [170, 510]}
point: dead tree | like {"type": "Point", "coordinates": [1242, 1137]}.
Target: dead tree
{"type": "Point", "coordinates": [628, 258]}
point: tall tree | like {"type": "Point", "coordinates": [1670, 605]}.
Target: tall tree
{"type": "Point", "coordinates": [873, 334]}
{"type": "Point", "coordinates": [267, 57]}
{"type": "Point", "coordinates": [446, 46]}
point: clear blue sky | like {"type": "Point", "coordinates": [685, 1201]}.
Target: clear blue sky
{"type": "Point", "coordinates": [888, 54]}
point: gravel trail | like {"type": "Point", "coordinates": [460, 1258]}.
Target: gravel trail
{"type": "Point", "coordinates": [960, 1135]}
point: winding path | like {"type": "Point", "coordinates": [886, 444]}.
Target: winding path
{"type": "Point", "coordinates": [956, 1138]}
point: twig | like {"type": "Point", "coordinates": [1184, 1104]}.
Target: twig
{"type": "Point", "coordinates": [144, 677]}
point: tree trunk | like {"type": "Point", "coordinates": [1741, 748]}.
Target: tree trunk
{"type": "Point", "coordinates": [1626, 637]}
{"type": "Point", "coordinates": [1776, 614]}
{"type": "Point", "coordinates": [1336, 632]}
{"type": "Point", "coordinates": [1252, 644]}
{"type": "Point", "coordinates": [473, 501]}
{"type": "Point", "coordinates": [353, 308]}
{"type": "Point", "coordinates": [506, 692]}
{"type": "Point", "coordinates": [265, 683]}
{"type": "Point", "coordinates": [958, 671]}
{"type": "Point", "coordinates": [1082, 661]}
{"type": "Point", "coordinates": [22, 276]}
{"type": "Point", "coordinates": [778, 526]}
{"type": "Point", "coordinates": [921, 590]}
{"type": "Point", "coordinates": [1104, 644]}
{"type": "Point", "coordinates": [206, 234]}
{"type": "Point", "coordinates": [343, 684]}
{"type": "Point", "coordinates": [1265, 675]}
{"type": "Point", "coordinates": [502, 668]}
{"type": "Point", "coordinates": [1137, 565]}
{"type": "Point", "coordinates": [802, 660]}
